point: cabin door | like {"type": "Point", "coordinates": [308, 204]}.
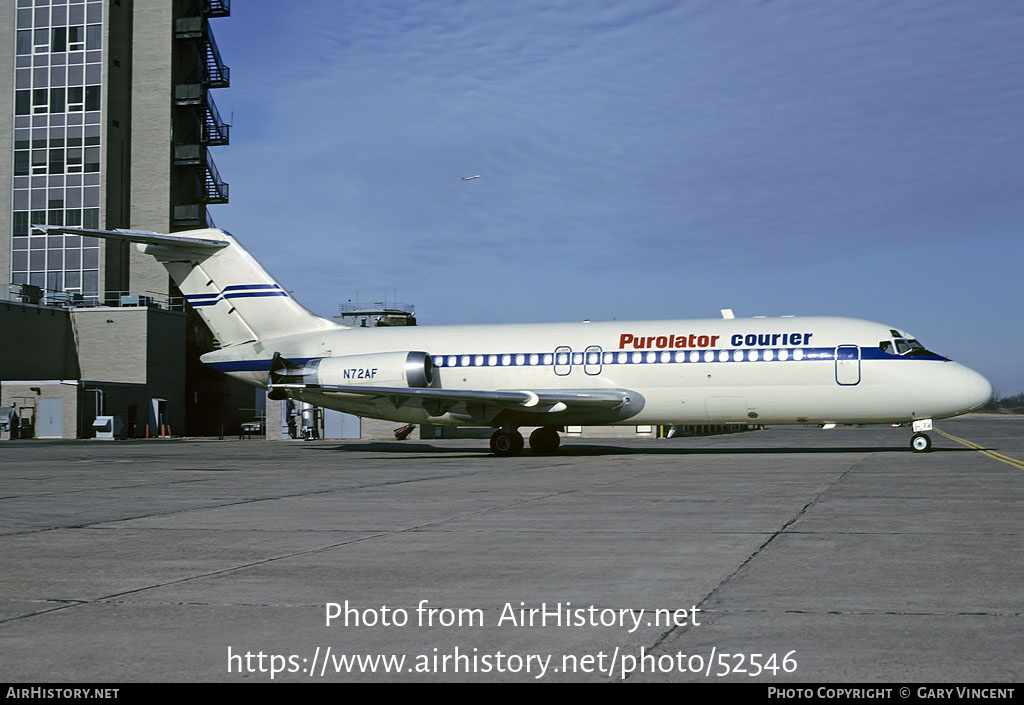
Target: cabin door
{"type": "Point", "coordinates": [848, 365]}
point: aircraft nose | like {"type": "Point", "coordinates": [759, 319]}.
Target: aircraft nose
{"type": "Point", "coordinates": [978, 389]}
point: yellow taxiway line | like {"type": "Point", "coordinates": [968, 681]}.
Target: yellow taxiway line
{"type": "Point", "coordinates": [1019, 464]}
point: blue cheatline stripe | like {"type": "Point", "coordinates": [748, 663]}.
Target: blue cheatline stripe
{"type": "Point", "coordinates": [253, 294]}
{"type": "Point", "coordinates": [238, 291]}
{"type": "Point", "coordinates": [236, 287]}
{"type": "Point", "coordinates": [612, 358]}
{"type": "Point", "coordinates": [659, 357]}
{"type": "Point", "coordinates": [253, 365]}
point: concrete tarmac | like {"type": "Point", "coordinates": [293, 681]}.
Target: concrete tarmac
{"type": "Point", "coordinates": [805, 554]}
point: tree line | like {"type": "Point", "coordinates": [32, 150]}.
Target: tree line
{"type": "Point", "coordinates": [1005, 405]}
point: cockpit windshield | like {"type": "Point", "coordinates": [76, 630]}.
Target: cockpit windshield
{"type": "Point", "coordinates": [904, 346]}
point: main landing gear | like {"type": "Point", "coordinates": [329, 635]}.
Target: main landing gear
{"type": "Point", "coordinates": [506, 442]}
{"type": "Point", "coordinates": [544, 441]}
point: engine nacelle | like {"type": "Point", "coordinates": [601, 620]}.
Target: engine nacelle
{"type": "Point", "coordinates": [394, 369]}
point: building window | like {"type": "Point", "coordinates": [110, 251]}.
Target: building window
{"type": "Point", "coordinates": [92, 159]}
{"type": "Point", "coordinates": [24, 41]}
{"type": "Point", "coordinates": [57, 161]}
{"type": "Point", "coordinates": [76, 99]}
{"type": "Point", "coordinates": [22, 102]}
{"type": "Point", "coordinates": [93, 36]}
{"type": "Point", "coordinates": [20, 224]}
{"type": "Point", "coordinates": [92, 97]}
{"type": "Point", "coordinates": [40, 100]}
{"type": "Point", "coordinates": [59, 39]}
{"type": "Point", "coordinates": [38, 161]}
{"type": "Point", "coordinates": [90, 282]}
{"type": "Point", "coordinates": [75, 160]}
{"type": "Point", "coordinates": [76, 38]}
{"type": "Point", "coordinates": [41, 45]}
{"type": "Point", "coordinates": [56, 100]}
{"type": "Point", "coordinates": [21, 163]}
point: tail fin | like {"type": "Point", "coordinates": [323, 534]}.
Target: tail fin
{"type": "Point", "coordinates": [229, 289]}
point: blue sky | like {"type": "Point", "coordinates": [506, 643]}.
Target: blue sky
{"type": "Point", "coordinates": [638, 160]}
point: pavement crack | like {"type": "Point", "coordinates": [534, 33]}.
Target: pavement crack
{"type": "Point", "coordinates": [757, 551]}
{"type": "Point", "coordinates": [186, 579]}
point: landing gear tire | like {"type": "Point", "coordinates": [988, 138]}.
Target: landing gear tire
{"type": "Point", "coordinates": [921, 442]}
{"type": "Point", "coordinates": [506, 443]}
{"type": "Point", "coordinates": [544, 441]}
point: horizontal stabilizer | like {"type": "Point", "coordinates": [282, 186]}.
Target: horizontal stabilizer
{"type": "Point", "coordinates": [228, 289]}
{"type": "Point", "coordinates": [146, 237]}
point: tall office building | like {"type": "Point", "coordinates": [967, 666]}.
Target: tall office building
{"type": "Point", "coordinates": [106, 120]}
{"type": "Point", "coordinates": [106, 108]}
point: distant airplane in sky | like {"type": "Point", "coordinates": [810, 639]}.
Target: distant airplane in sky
{"type": "Point", "coordinates": [787, 370]}
{"type": "Point", "coordinates": [470, 178]}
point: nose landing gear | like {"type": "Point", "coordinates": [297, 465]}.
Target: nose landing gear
{"type": "Point", "coordinates": [921, 442]}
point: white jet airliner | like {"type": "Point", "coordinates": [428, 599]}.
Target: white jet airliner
{"type": "Point", "coordinates": [788, 370]}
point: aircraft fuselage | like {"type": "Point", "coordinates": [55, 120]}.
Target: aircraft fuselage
{"type": "Point", "coordinates": [790, 370]}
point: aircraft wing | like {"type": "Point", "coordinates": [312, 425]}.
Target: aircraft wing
{"type": "Point", "coordinates": [146, 237]}
{"type": "Point", "coordinates": [520, 399]}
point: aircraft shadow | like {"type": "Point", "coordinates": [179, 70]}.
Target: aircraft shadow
{"type": "Point", "coordinates": [399, 449]}
{"type": "Point", "coordinates": [573, 450]}
{"type": "Point", "coordinates": [576, 450]}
